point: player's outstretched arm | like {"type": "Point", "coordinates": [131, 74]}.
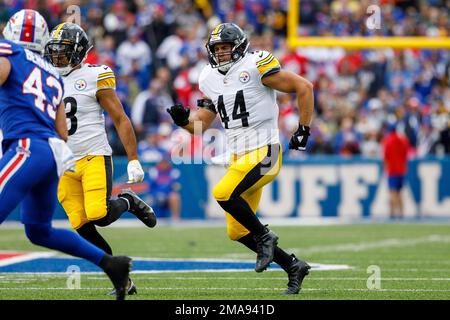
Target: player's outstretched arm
{"type": "Point", "coordinates": [182, 117]}
{"type": "Point", "coordinates": [5, 69]}
{"type": "Point", "coordinates": [109, 101]}
{"type": "Point", "coordinates": [60, 122]}
{"type": "Point", "coordinates": [289, 82]}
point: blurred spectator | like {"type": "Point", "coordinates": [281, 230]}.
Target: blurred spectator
{"type": "Point", "coordinates": [370, 146]}
{"type": "Point", "coordinates": [134, 58]}
{"type": "Point", "coordinates": [159, 28]}
{"type": "Point", "coordinates": [164, 189]}
{"type": "Point", "coordinates": [115, 21]}
{"type": "Point", "coordinates": [148, 106]}
{"type": "Point", "coordinates": [347, 140]}
{"type": "Point", "coordinates": [170, 49]}
{"type": "Point", "coordinates": [395, 155]}
{"type": "Point", "coordinates": [148, 148]}
{"type": "Point", "coordinates": [160, 45]}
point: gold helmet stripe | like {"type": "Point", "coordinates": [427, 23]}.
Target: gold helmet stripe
{"type": "Point", "coordinates": [56, 33]}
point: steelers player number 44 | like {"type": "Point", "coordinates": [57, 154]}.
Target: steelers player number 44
{"type": "Point", "coordinates": [239, 110]}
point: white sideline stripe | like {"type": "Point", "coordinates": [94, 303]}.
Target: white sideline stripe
{"type": "Point", "coordinates": [241, 289]}
{"type": "Point", "coordinates": [283, 278]}
{"type": "Point", "coordinates": [175, 259]}
{"type": "Point", "coordinates": [320, 267]}
{"type": "Point", "coordinates": [26, 257]}
{"type": "Point", "coordinates": [5, 278]}
{"type": "Point", "coordinates": [416, 270]}
{"type": "Point", "coordinates": [422, 261]}
{"type": "Point", "coordinates": [361, 246]}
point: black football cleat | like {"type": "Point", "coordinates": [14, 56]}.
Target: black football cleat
{"type": "Point", "coordinates": [139, 208]}
{"type": "Point", "coordinates": [131, 289]}
{"type": "Point", "coordinates": [265, 247]}
{"type": "Point", "coordinates": [118, 269]}
{"type": "Point", "coordinates": [296, 273]}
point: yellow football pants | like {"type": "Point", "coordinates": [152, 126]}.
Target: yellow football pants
{"type": "Point", "coordinates": [84, 194]}
{"type": "Point", "coordinates": [246, 176]}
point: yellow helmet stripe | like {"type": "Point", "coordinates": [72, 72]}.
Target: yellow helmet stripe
{"type": "Point", "coordinates": [216, 30]}
{"type": "Point", "coordinates": [59, 27]}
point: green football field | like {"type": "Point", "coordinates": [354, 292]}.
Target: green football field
{"type": "Point", "coordinates": [413, 261]}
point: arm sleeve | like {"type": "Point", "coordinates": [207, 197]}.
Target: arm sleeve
{"type": "Point", "coordinates": [106, 79]}
{"type": "Point", "coordinates": [267, 64]}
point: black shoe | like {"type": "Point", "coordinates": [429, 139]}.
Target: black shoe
{"type": "Point", "coordinates": [118, 269]}
{"type": "Point", "coordinates": [265, 247]}
{"type": "Point", "coordinates": [131, 289]}
{"type": "Point", "coordinates": [139, 208]}
{"type": "Point", "coordinates": [296, 272]}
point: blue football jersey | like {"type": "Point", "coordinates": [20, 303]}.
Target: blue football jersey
{"type": "Point", "coordinates": [30, 95]}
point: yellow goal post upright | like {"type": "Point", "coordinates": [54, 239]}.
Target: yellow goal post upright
{"type": "Point", "coordinates": [357, 42]}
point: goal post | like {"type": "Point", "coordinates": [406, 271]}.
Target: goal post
{"type": "Point", "coordinates": [294, 40]}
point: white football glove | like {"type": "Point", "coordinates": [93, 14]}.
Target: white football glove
{"type": "Point", "coordinates": [135, 172]}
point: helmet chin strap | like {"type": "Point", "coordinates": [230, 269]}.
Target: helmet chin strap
{"type": "Point", "coordinates": [226, 67]}
{"type": "Point", "coordinates": [64, 70]}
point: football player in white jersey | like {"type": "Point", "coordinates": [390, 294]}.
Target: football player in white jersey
{"type": "Point", "coordinates": [240, 86]}
{"type": "Point", "coordinates": [90, 90]}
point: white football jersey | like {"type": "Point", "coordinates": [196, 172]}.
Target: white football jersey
{"type": "Point", "coordinates": [248, 109]}
{"type": "Point", "coordinates": [85, 119]}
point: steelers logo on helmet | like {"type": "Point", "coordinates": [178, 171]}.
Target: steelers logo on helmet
{"type": "Point", "coordinates": [227, 33]}
{"type": "Point", "coordinates": [67, 47]}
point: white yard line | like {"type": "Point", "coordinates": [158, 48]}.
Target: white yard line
{"type": "Point", "coordinates": [234, 289]}
{"type": "Point", "coordinates": [21, 279]}
{"type": "Point", "coordinates": [281, 278]}
{"type": "Point", "coordinates": [362, 246]}
{"type": "Point", "coordinates": [26, 257]}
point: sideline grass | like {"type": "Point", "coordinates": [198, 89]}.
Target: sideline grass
{"type": "Point", "coordinates": [414, 260]}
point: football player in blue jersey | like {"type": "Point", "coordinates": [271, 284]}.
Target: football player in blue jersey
{"type": "Point", "coordinates": [33, 122]}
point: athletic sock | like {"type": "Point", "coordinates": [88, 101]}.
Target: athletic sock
{"type": "Point", "coordinates": [90, 233]}
{"type": "Point", "coordinates": [239, 209]}
{"type": "Point", "coordinates": [115, 210]}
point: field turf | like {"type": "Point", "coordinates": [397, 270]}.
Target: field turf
{"type": "Point", "coordinates": [414, 262]}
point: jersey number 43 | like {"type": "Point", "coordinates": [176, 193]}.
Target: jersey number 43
{"type": "Point", "coordinates": [33, 85]}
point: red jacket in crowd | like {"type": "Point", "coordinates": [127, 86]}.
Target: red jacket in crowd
{"type": "Point", "coordinates": [395, 153]}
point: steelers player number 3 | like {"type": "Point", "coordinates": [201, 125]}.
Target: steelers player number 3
{"type": "Point", "coordinates": [239, 110]}
{"type": "Point", "coordinates": [71, 103]}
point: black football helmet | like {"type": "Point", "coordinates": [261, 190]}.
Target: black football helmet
{"type": "Point", "coordinates": [67, 47]}
{"type": "Point", "coordinates": [227, 33]}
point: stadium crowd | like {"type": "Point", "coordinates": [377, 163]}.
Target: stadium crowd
{"type": "Point", "coordinates": [157, 49]}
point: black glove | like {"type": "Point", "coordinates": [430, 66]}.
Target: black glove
{"type": "Point", "coordinates": [299, 138]}
{"type": "Point", "coordinates": [179, 114]}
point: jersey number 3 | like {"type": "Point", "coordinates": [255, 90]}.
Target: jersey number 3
{"type": "Point", "coordinates": [72, 104]}
{"type": "Point", "coordinates": [239, 110]}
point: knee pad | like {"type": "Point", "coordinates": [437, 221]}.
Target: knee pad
{"type": "Point", "coordinates": [96, 211]}
{"type": "Point", "coordinates": [221, 193]}
{"type": "Point", "coordinates": [37, 233]}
